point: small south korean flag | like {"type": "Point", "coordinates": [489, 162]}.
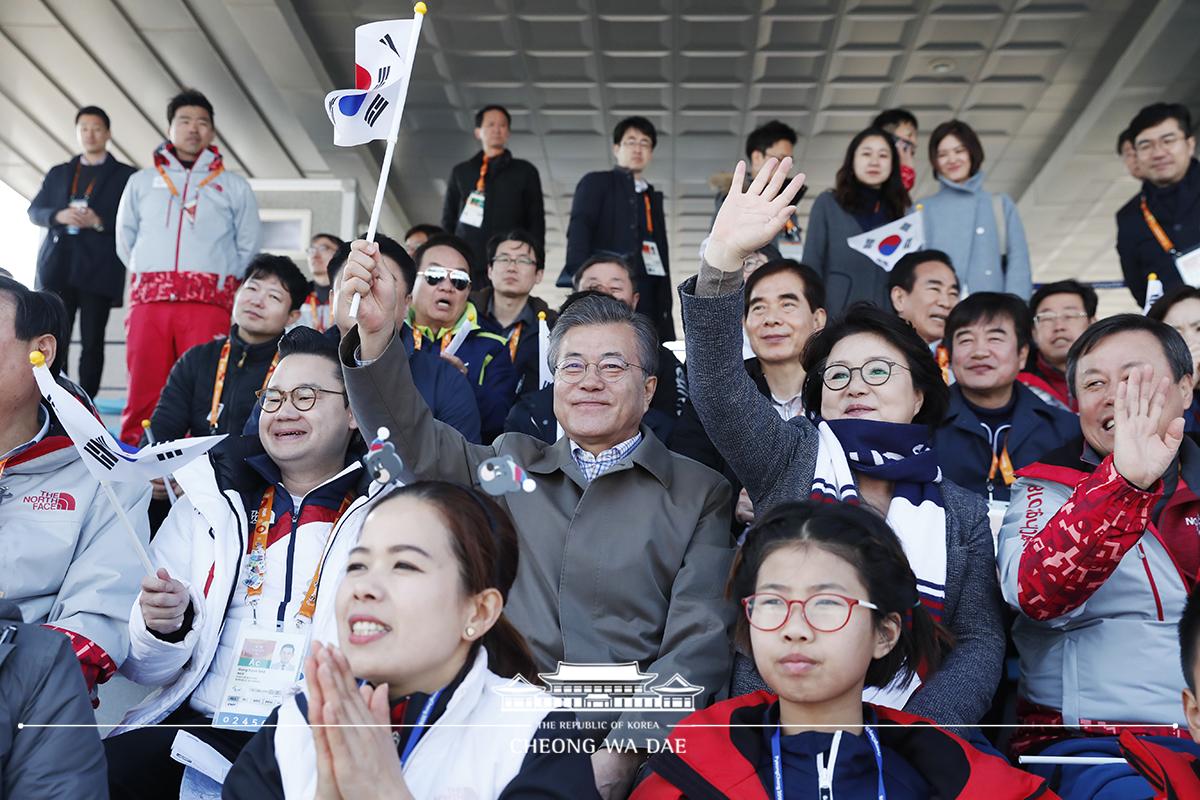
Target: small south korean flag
{"type": "Point", "coordinates": [382, 63]}
{"type": "Point", "coordinates": [887, 244]}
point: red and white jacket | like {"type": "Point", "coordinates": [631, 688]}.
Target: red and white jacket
{"type": "Point", "coordinates": [1099, 588]}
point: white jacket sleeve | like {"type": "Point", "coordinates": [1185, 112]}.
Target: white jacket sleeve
{"type": "Point", "coordinates": [249, 229]}
{"type": "Point", "coordinates": [152, 661]}
{"type": "Point", "coordinates": [127, 219]}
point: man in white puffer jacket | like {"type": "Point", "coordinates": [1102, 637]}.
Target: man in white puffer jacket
{"type": "Point", "coordinates": [302, 470]}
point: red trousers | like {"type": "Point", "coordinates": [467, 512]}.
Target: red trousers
{"type": "Point", "coordinates": [156, 335]}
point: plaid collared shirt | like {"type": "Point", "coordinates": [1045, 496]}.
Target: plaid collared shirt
{"type": "Point", "coordinates": [593, 467]}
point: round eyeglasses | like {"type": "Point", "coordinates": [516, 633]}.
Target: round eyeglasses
{"type": "Point", "coordinates": [824, 612]}
{"type": "Point", "coordinates": [875, 372]}
{"type": "Point", "coordinates": [302, 397]}
{"type": "Point", "coordinates": [610, 370]}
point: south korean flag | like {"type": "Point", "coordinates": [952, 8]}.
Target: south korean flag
{"type": "Point", "coordinates": [887, 244]}
{"type": "Point", "coordinates": [382, 63]}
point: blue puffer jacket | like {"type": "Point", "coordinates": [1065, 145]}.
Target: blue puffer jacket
{"type": "Point", "coordinates": [960, 220]}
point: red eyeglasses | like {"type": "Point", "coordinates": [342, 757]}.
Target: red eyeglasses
{"type": "Point", "coordinates": [824, 612]}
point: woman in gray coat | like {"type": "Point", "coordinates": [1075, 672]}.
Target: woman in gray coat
{"type": "Point", "coordinates": [867, 193]}
{"type": "Point", "coordinates": [877, 390]}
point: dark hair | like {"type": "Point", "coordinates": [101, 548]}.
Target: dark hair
{"type": "Point", "coordinates": [188, 97]}
{"type": "Point", "coordinates": [337, 240]}
{"type": "Point", "coordinates": [864, 317]}
{"type": "Point", "coordinates": [1158, 113]}
{"type": "Point", "coordinates": [483, 111]}
{"type": "Point", "coordinates": [864, 540]}
{"type": "Point", "coordinates": [1163, 305]}
{"type": "Point", "coordinates": [848, 190]}
{"type": "Point", "coordinates": [515, 235]}
{"type": "Point", "coordinates": [1189, 632]}
{"type": "Point", "coordinates": [640, 124]}
{"type": "Point", "coordinates": [1123, 138]}
{"type": "Point", "coordinates": [965, 134]}
{"type": "Point", "coordinates": [814, 287]}
{"type": "Point", "coordinates": [894, 118]}
{"type": "Point", "coordinates": [484, 541]}
{"type": "Point", "coordinates": [904, 274]}
{"type": "Point", "coordinates": [387, 247]}
{"type": "Point", "coordinates": [596, 308]}
{"type": "Point", "coordinates": [1086, 293]}
{"type": "Point", "coordinates": [766, 135]}
{"type": "Point", "coordinates": [303, 340]}
{"type": "Point", "coordinates": [444, 240]}
{"type": "Point", "coordinates": [36, 314]}
{"type": "Point", "coordinates": [988, 306]}
{"type": "Point", "coordinates": [604, 258]}
{"type": "Point", "coordinates": [93, 111]}
{"type": "Point", "coordinates": [426, 228]}
{"type": "Point", "coordinates": [269, 265]}
{"type": "Point", "coordinates": [1178, 356]}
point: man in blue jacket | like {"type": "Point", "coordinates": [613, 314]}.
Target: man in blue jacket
{"type": "Point", "coordinates": [619, 212]}
{"type": "Point", "coordinates": [995, 425]}
{"type": "Point", "coordinates": [443, 388]}
{"type": "Point", "coordinates": [78, 259]}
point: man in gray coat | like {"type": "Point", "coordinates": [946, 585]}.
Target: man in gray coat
{"type": "Point", "coordinates": [40, 684]}
{"type": "Point", "coordinates": [625, 545]}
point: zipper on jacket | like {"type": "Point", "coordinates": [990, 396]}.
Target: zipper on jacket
{"type": "Point", "coordinates": [1150, 576]}
{"type": "Point", "coordinates": [182, 205]}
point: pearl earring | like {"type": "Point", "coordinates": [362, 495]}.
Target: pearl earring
{"type": "Point", "coordinates": [470, 632]}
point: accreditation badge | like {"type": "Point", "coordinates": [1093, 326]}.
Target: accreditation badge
{"type": "Point", "coordinates": [266, 666]}
{"type": "Point", "coordinates": [472, 213]}
{"type": "Point", "coordinates": [652, 261]}
{"type": "Point", "coordinates": [1188, 265]}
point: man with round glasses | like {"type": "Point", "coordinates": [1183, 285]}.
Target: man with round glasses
{"type": "Point", "coordinates": [507, 307]}
{"type": "Point", "coordinates": [249, 554]}
{"type": "Point", "coordinates": [625, 545]}
{"type": "Point", "coordinates": [440, 311]}
{"type": "Point", "coordinates": [1062, 311]}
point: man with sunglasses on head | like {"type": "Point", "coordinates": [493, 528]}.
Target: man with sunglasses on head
{"type": "Point", "coordinates": [261, 514]}
{"type": "Point", "coordinates": [507, 307]}
{"type": "Point", "coordinates": [441, 310]}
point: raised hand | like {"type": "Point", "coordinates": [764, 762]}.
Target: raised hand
{"type": "Point", "coordinates": [750, 218]}
{"type": "Point", "coordinates": [365, 274]}
{"type": "Point", "coordinates": [1140, 454]}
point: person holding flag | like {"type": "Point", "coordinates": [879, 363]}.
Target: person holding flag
{"type": "Point", "coordinates": [66, 561]}
{"type": "Point", "coordinates": [868, 195]}
{"type": "Point", "coordinates": [242, 562]}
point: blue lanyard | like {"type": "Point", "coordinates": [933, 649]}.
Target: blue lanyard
{"type": "Point", "coordinates": [777, 762]}
{"type": "Point", "coordinates": [419, 728]}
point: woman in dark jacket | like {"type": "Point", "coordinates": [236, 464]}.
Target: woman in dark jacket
{"type": "Point", "coordinates": [830, 606]}
{"type": "Point", "coordinates": [876, 390]}
{"type": "Point", "coordinates": [868, 193]}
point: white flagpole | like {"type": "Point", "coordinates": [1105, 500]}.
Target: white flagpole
{"type": "Point", "coordinates": [419, 16]}
{"type": "Point", "coordinates": [166, 478]}
{"type": "Point", "coordinates": [138, 547]}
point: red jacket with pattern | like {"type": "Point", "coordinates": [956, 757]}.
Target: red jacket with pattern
{"type": "Point", "coordinates": [1099, 572]}
{"type": "Point", "coordinates": [730, 762]}
{"type": "Point", "coordinates": [1174, 775]}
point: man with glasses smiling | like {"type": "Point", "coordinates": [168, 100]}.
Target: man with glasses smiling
{"type": "Point", "coordinates": [1159, 230]}
{"type": "Point", "coordinates": [245, 546]}
{"type": "Point", "coordinates": [625, 546]}
{"type": "Point", "coordinates": [619, 212]}
{"type": "Point", "coordinates": [441, 310]}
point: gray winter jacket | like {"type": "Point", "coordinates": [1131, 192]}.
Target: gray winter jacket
{"type": "Point", "coordinates": [849, 275]}
{"type": "Point", "coordinates": [40, 683]}
{"type": "Point", "coordinates": [776, 461]}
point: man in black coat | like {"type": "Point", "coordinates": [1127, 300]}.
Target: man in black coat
{"type": "Point", "coordinates": [492, 192]}
{"type": "Point", "coordinates": [1158, 230]}
{"type": "Point", "coordinates": [619, 212]}
{"type": "Point", "coordinates": [78, 260]}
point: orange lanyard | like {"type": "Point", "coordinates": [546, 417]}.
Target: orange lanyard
{"type": "Point", "coordinates": [219, 383]}
{"type": "Point", "coordinates": [257, 578]}
{"type": "Point", "coordinates": [1164, 241]}
{"type": "Point", "coordinates": [514, 339]}
{"type": "Point", "coordinates": [1004, 463]}
{"type": "Point", "coordinates": [3, 463]}
{"type": "Point", "coordinates": [943, 360]}
{"type": "Point", "coordinates": [482, 174]}
{"type": "Point", "coordinates": [418, 336]}
{"type": "Point", "coordinates": [171, 185]}
{"type": "Point", "coordinates": [649, 219]}
{"type": "Point", "coordinates": [318, 322]}
{"type": "Point", "coordinates": [75, 184]}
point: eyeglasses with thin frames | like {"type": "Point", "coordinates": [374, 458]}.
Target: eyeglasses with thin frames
{"type": "Point", "coordinates": [504, 261]}
{"type": "Point", "coordinates": [610, 370]}
{"type": "Point", "coordinates": [302, 397]}
{"type": "Point", "coordinates": [1051, 317]}
{"type": "Point", "coordinates": [825, 612]}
